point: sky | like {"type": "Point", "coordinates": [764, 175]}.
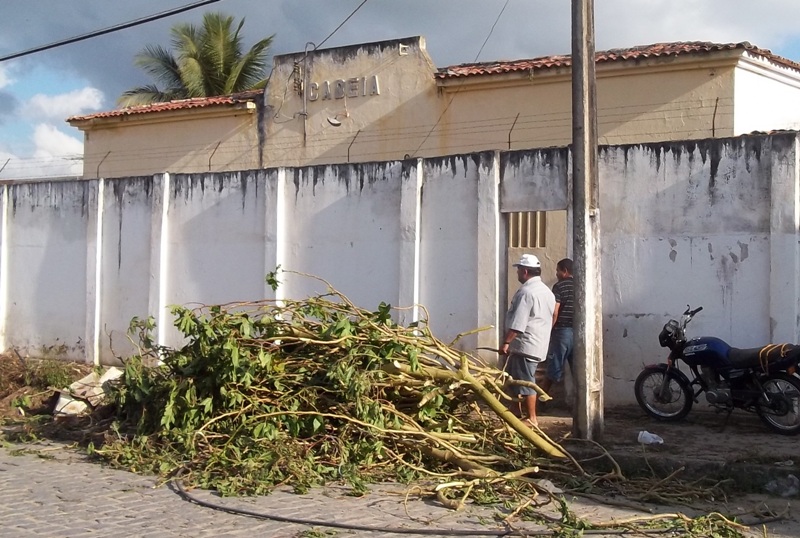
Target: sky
{"type": "Point", "coordinates": [39, 91]}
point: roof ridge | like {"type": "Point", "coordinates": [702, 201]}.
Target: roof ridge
{"type": "Point", "coordinates": [659, 49]}
{"type": "Point", "coordinates": [174, 104]}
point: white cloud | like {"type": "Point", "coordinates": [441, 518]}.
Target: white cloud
{"type": "Point", "coordinates": [59, 107]}
{"type": "Point", "coordinates": [50, 141]}
{"type": "Point", "coordinates": [56, 155]}
{"type": "Point", "coordinates": [5, 78]}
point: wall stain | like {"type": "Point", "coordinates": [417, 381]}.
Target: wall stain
{"type": "Point", "coordinates": [126, 192]}
{"type": "Point", "coordinates": [341, 55]}
{"type": "Point", "coordinates": [743, 250]}
{"type": "Point", "coordinates": [711, 251]}
{"type": "Point", "coordinates": [59, 196]}
{"type": "Point", "coordinates": [726, 272]}
{"type": "Point", "coordinates": [352, 176]}
{"type": "Point", "coordinates": [515, 163]}
{"type": "Point", "coordinates": [673, 253]}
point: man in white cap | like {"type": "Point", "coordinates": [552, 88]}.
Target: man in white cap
{"type": "Point", "coordinates": [528, 323]}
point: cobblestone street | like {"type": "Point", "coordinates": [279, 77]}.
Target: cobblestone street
{"type": "Point", "coordinates": [49, 491]}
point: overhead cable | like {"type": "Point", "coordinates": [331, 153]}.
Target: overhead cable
{"type": "Point", "coordinates": [496, 20]}
{"type": "Point", "coordinates": [342, 24]}
{"type": "Point", "coordinates": [110, 29]}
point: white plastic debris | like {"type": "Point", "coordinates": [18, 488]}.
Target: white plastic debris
{"type": "Point", "coordinates": [85, 392]}
{"type": "Point", "coordinates": [785, 487]}
{"type": "Point", "coordinates": [647, 438]}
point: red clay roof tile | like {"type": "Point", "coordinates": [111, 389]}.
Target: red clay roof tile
{"type": "Point", "coordinates": [180, 104]}
{"type": "Point", "coordinates": [633, 53]}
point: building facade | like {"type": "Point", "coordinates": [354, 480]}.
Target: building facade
{"type": "Point", "coordinates": [387, 101]}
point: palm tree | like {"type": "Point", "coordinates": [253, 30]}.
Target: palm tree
{"type": "Point", "coordinates": [207, 61]}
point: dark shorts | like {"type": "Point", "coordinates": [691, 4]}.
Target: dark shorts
{"type": "Point", "coordinates": [561, 341]}
{"type": "Point", "coordinates": [523, 369]}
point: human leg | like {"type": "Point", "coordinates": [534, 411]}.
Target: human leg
{"type": "Point", "coordinates": [529, 402]}
{"type": "Point", "coordinates": [523, 369]}
{"type": "Point", "coordinates": [560, 351]}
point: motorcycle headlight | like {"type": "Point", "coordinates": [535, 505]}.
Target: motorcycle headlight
{"type": "Point", "coordinates": [667, 334]}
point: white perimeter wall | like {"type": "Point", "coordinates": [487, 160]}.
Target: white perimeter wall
{"type": "Point", "coordinates": [711, 223]}
{"type": "Point", "coordinates": [691, 223]}
{"type": "Point", "coordinates": [46, 242]}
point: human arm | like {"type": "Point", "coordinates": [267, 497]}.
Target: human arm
{"type": "Point", "coordinates": [509, 337]}
{"type": "Point", "coordinates": [555, 313]}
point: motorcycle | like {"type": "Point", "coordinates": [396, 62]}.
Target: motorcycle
{"type": "Point", "coordinates": [760, 380]}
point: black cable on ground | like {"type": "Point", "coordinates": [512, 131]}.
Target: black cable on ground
{"type": "Point", "coordinates": [397, 530]}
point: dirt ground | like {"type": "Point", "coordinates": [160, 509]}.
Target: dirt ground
{"type": "Point", "coordinates": [704, 435]}
{"type": "Point", "coordinates": [25, 380]}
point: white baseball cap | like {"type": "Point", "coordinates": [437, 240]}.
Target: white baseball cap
{"type": "Point", "coordinates": [528, 260]}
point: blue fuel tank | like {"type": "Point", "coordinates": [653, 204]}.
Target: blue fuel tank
{"type": "Point", "coordinates": [707, 351]}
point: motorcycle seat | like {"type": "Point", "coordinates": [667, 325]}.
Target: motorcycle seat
{"type": "Point", "coordinates": [758, 356]}
{"type": "Point", "coordinates": [744, 358]}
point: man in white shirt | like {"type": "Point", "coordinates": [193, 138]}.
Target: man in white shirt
{"type": "Point", "coordinates": [528, 323]}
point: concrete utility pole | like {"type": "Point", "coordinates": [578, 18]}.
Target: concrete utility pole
{"type": "Point", "coordinates": [588, 351]}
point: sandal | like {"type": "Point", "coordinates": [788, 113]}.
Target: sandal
{"type": "Point", "coordinates": [530, 423]}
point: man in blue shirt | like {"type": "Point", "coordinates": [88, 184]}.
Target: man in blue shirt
{"type": "Point", "coordinates": [561, 338]}
{"type": "Point", "coordinates": [527, 336]}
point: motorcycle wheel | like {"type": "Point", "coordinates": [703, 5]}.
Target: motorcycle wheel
{"type": "Point", "coordinates": [782, 412]}
{"type": "Point", "coordinates": [669, 402]}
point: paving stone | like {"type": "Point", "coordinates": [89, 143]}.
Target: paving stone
{"type": "Point", "coordinates": [69, 496]}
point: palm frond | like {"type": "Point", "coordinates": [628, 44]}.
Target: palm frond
{"type": "Point", "coordinates": [146, 95]}
{"type": "Point", "coordinates": [205, 60]}
{"type": "Point", "coordinates": [160, 64]}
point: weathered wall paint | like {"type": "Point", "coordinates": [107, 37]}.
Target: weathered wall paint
{"type": "Point", "coordinates": [449, 256]}
{"type": "Point", "coordinates": [47, 265]}
{"type": "Point", "coordinates": [711, 223]}
{"type": "Point", "coordinates": [125, 260]}
{"type": "Point", "coordinates": [343, 224]}
{"type": "Point", "coordinates": [685, 223]}
{"type": "Point", "coordinates": [534, 180]}
{"type": "Point", "coordinates": [385, 126]}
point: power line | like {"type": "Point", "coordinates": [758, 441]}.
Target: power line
{"type": "Point", "coordinates": [109, 30]}
{"type": "Point", "coordinates": [462, 82]}
{"type": "Point", "coordinates": [342, 24]}
{"type": "Point", "coordinates": [491, 31]}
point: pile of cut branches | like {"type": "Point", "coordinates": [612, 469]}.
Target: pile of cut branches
{"type": "Point", "coordinates": [307, 392]}
{"type": "Point", "coordinates": [304, 393]}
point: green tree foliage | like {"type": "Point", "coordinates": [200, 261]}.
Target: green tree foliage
{"type": "Point", "coordinates": [205, 61]}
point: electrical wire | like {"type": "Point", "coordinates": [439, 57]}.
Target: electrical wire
{"type": "Point", "coordinates": [342, 24]}
{"type": "Point", "coordinates": [462, 82]}
{"type": "Point", "coordinates": [491, 31]}
{"type": "Point", "coordinates": [110, 29]}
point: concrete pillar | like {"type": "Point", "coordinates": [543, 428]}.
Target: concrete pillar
{"type": "Point", "coordinates": [275, 228]}
{"type": "Point", "coordinates": [491, 259]}
{"type": "Point", "coordinates": [159, 255]}
{"type": "Point", "coordinates": [410, 222]}
{"type": "Point", "coordinates": [94, 270]}
{"type": "Point", "coordinates": [784, 239]}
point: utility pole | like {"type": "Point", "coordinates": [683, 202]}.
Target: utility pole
{"type": "Point", "coordinates": [588, 325]}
